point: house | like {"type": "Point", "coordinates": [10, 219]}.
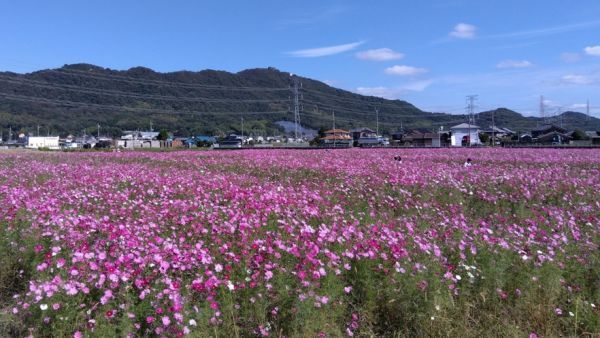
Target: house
{"type": "Point", "coordinates": [553, 137]}
{"type": "Point", "coordinates": [132, 144]}
{"type": "Point", "coordinates": [86, 141]}
{"type": "Point", "coordinates": [140, 135]}
{"type": "Point", "coordinates": [496, 132]}
{"type": "Point", "coordinates": [139, 139]}
{"type": "Point", "coordinates": [231, 141]}
{"type": "Point", "coordinates": [365, 137]}
{"type": "Point", "coordinates": [464, 134]}
{"type": "Point", "coordinates": [508, 132]}
{"type": "Point", "coordinates": [545, 129]}
{"type": "Point", "coordinates": [336, 138]}
{"type": "Point", "coordinates": [418, 139]}
{"type": "Point", "coordinates": [36, 142]}
{"type": "Point", "coordinates": [525, 138]}
{"type": "Point", "coordinates": [171, 143]}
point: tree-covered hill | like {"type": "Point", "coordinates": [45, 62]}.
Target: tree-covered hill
{"type": "Point", "coordinates": [81, 96]}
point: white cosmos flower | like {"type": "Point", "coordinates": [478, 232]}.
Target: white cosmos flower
{"type": "Point", "coordinates": [44, 307]}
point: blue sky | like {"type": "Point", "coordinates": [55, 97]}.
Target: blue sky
{"type": "Point", "coordinates": [430, 53]}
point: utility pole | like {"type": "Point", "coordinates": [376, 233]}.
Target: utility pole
{"type": "Point", "coordinates": [542, 109]}
{"type": "Point", "coordinates": [587, 110]}
{"type": "Point", "coordinates": [242, 130]}
{"type": "Point", "coordinates": [493, 129]}
{"type": "Point", "coordinates": [377, 120]}
{"type": "Point", "coordinates": [47, 131]}
{"type": "Point", "coordinates": [296, 92]}
{"type": "Point", "coordinates": [333, 116]}
{"type": "Point", "coordinates": [471, 109]}
{"type": "Point", "coordinates": [98, 125]}
{"type": "Point", "coordinates": [38, 128]}
{"type": "Point", "coordinates": [560, 115]}
{"type": "Point", "coordinates": [9, 133]}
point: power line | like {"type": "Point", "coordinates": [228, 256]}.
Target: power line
{"type": "Point", "coordinates": [363, 112]}
{"type": "Point", "coordinates": [113, 107]}
{"type": "Point", "coordinates": [377, 101]}
{"type": "Point", "coordinates": [108, 92]}
{"type": "Point", "coordinates": [129, 79]}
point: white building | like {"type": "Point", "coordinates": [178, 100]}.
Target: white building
{"type": "Point", "coordinates": [460, 135]}
{"type": "Point", "coordinates": [35, 142]}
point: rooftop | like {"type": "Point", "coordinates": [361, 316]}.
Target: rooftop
{"type": "Point", "coordinates": [465, 126]}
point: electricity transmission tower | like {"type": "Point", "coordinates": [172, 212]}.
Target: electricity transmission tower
{"type": "Point", "coordinates": [542, 109]}
{"type": "Point", "coordinates": [587, 109]}
{"type": "Point", "coordinates": [296, 91]}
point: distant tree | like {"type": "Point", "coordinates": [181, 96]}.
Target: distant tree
{"type": "Point", "coordinates": [163, 135]}
{"type": "Point", "coordinates": [485, 138]}
{"type": "Point", "coordinates": [322, 131]}
{"type": "Point", "coordinates": [579, 134]}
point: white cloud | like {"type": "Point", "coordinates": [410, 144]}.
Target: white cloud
{"type": "Point", "coordinates": [418, 86]}
{"type": "Point", "coordinates": [514, 64]}
{"type": "Point", "coordinates": [463, 31]}
{"type": "Point", "coordinates": [394, 92]}
{"type": "Point", "coordinates": [570, 57]}
{"type": "Point", "coordinates": [404, 70]}
{"type": "Point", "coordinates": [576, 79]}
{"type": "Point", "coordinates": [592, 50]}
{"type": "Point", "coordinates": [324, 51]}
{"type": "Point", "coordinates": [578, 106]}
{"type": "Point", "coordinates": [381, 54]}
{"type": "Point", "coordinates": [546, 31]}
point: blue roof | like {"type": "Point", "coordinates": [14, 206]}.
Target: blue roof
{"type": "Point", "coordinates": [206, 138]}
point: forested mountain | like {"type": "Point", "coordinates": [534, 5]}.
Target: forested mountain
{"type": "Point", "coordinates": [81, 96]}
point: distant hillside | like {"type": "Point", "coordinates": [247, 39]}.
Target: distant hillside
{"type": "Point", "coordinates": [507, 118]}
{"type": "Point", "coordinates": [77, 97]}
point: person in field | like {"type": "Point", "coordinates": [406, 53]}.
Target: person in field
{"type": "Point", "coordinates": [468, 162]}
{"type": "Point", "coordinates": [398, 158]}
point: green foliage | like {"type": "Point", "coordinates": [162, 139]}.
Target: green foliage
{"type": "Point", "coordinates": [138, 102]}
{"type": "Point", "coordinates": [485, 138]}
{"type": "Point", "coordinates": [579, 134]}
{"type": "Point", "coordinates": [163, 135]}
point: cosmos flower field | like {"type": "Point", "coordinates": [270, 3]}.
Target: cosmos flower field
{"type": "Point", "coordinates": [300, 243]}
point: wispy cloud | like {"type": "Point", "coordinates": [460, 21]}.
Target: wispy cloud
{"type": "Point", "coordinates": [514, 64]}
{"type": "Point", "coordinates": [547, 30]}
{"type": "Point", "coordinates": [394, 92]}
{"type": "Point", "coordinates": [463, 31]}
{"type": "Point", "coordinates": [380, 54]}
{"type": "Point", "coordinates": [592, 50]}
{"type": "Point", "coordinates": [578, 105]}
{"type": "Point", "coordinates": [577, 79]}
{"type": "Point", "coordinates": [324, 51]}
{"type": "Point", "coordinates": [317, 15]}
{"type": "Point", "coordinates": [403, 70]}
{"type": "Point", "coordinates": [570, 57]}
